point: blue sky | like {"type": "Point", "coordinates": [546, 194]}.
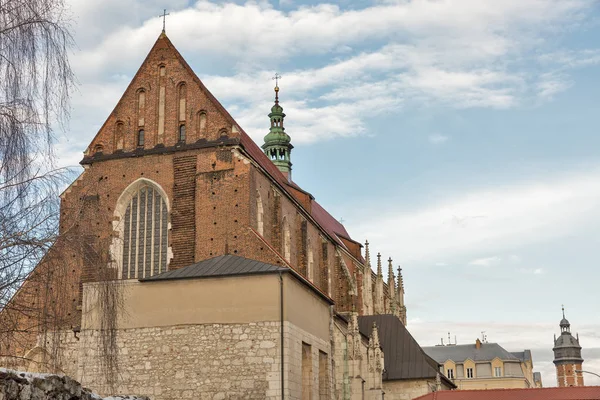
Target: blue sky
{"type": "Point", "coordinates": [459, 137]}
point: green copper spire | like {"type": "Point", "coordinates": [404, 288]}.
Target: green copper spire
{"type": "Point", "coordinates": [277, 143]}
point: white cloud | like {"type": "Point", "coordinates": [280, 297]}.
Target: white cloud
{"type": "Point", "coordinates": [459, 54]}
{"type": "Point", "coordinates": [486, 262]}
{"type": "Point", "coordinates": [437, 138]}
{"type": "Point", "coordinates": [532, 271]}
{"type": "Point", "coordinates": [494, 220]}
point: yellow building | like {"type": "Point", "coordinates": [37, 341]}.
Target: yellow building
{"type": "Point", "coordinates": [485, 366]}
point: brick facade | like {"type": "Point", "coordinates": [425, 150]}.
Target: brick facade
{"type": "Point", "coordinates": [210, 182]}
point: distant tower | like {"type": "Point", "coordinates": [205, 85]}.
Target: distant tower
{"type": "Point", "coordinates": [567, 356]}
{"type": "Point", "coordinates": [278, 145]}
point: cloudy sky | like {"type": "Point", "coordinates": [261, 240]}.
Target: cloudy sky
{"type": "Point", "coordinates": [460, 137]}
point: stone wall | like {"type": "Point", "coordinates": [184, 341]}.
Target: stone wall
{"type": "Point", "coordinates": [26, 386]}
{"type": "Point", "coordinates": [213, 361]}
{"type": "Point", "coordinates": [407, 389]}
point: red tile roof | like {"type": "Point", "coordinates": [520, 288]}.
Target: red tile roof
{"type": "Point", "coordinates": [566, 393]}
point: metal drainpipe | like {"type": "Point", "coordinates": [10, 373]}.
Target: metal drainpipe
{"type": "Point", "coordinates": [281, 331]}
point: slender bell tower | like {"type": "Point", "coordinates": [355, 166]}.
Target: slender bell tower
{"type": "Point", "coordinates": [277, 144]}
{"type": "Point", "coordinates": [567, 356]}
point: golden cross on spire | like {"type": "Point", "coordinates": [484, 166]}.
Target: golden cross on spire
{"type": "Point", "coordinates": [164, 17]}
{"type": "Point", "coordinates": [276, 78]}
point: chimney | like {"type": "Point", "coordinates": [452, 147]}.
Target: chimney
{"type": "Point", "coordinates": [478, 344]}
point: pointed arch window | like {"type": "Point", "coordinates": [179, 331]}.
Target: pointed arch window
{"type": "Point", "coordinates": [201, 124]}
{"type": "Point", "coordinates": [144, 232]}
{"type": "Point", "coordinates": [287, 240]}
{"type": "Point", "coordinates": [310, 264]}
{"type": "Point", "coordinates": [182, 99]}
{"type": "Point", "coordinates": [119, 135]}
{"type": "Point", "coordinates": [259, 214]}
{"type": "Point", "coordinates": [141, 107]}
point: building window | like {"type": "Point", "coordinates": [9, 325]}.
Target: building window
{"type": "Point", "coordinates": [497, 371]}
{"type": "Point", "coordinates": [141, 107]}
{"type": "Point", "coordinates": [259, 214]}
{"type": "Point", "coordinates": [140, 138]}
{"type": "Point", "coordinates": [119, 135]}
{"type": "Point", "coordinates": [182, 133]}
{"type": "Point", "coordinates": [145, 227]}
{"type": "Point", "coordinates": [287, 241]}
{"type": "Point", "coordinates": [201, 124]}
{"type": "Point", "coordinates": [182, 93]}
{"type": "Point", "coordinates": [311, 264]}
{"type": "Point", "coordinates": [469, 372]}
{"type": "Point", "coordinates": [450, 373]}
{"type": "Point", "coordinates": [323, 377]}
{"type": "Point", "coordinates": [306, 371]}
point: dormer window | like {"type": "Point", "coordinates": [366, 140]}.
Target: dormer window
{"type": "Point", "coordinates": [182, 133]}
{"type": "Point", "coordinates": [140, 138]}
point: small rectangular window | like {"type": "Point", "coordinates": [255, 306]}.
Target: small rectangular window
{"type": "Point", "coordinates": [497, 371]}
{"type": "Point", "coordinates": [450, 373]}
{"type": "Point", "coordinates": [182, 133]}
{"type": "Point", "coordinates": [469, 372]}
{"type": "Point", "coordinates": [306, 371]}
{"type": "Point", "coordinates": [140, 138]}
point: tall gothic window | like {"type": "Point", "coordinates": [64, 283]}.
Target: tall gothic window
{"type": "Point", "coordinates": [311, 263]}
{"type": "Point", "coordinates": [287, 241]}
{"type": "Point", "coordinates": [145, 227]}
{"type": "Point", "coordinates": [182, 96]}
{"type": "Point", "coordinates": [119, 135]}
{"type": "Point", "coordinates": [201, 124]}
{"type": "Point", "coordinates": [259, 214]}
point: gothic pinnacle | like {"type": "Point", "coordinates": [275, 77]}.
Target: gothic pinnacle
{"type": "Point", "coordinates": [379, 272]}
{"type": "Point", "coordinates": [400, 279]}
{"type": "Point", "coordinates": [391, 281]}
{"type": "Point", "coordinates": [367, 254]}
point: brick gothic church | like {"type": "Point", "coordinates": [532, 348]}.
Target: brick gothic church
{"type": "Point", "coordinates": [190, 265]}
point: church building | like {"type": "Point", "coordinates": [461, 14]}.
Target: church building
{"type": "Point", "coordinates": [190, 265]}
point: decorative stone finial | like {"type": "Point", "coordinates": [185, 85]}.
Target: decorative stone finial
{"type": "Point", "coordinates": [400, 279]}
{"type": "Point", "coordinates": [391, 280]}
{"type": "Point", "coordinates": [367, 254]}
{"type": "Point", "coordinates": [379, 271]}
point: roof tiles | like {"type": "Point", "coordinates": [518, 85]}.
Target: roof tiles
{"type": "Point", "coordinates": [567, 393]}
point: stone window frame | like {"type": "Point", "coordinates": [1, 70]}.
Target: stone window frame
{"type": "Point", "coordinates": [116, 247]}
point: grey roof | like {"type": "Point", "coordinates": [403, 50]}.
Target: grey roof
{"type": "Point", "coordinates": [226, 265]}
{"type": "Point", "coordinates": [524, 355]}
{"type": "Point", "coordinates": [403, 357]}
{"type": "Point", "coordinates": [462, 352]}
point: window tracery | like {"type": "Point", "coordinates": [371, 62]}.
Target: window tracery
{"type": "Point", "coordinates": [144, 230]}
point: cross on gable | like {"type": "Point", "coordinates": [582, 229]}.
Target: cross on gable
{"type": "Point", "coordinates": [164, 17]}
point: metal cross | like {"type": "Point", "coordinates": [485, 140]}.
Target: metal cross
{"type": "Point", "coordinates": [276, 78]}
{"type": "Point", "coordinates": [164, 17]}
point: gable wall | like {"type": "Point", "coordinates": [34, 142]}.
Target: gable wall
{"type": "Point", "coordinates": [149, 79]}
